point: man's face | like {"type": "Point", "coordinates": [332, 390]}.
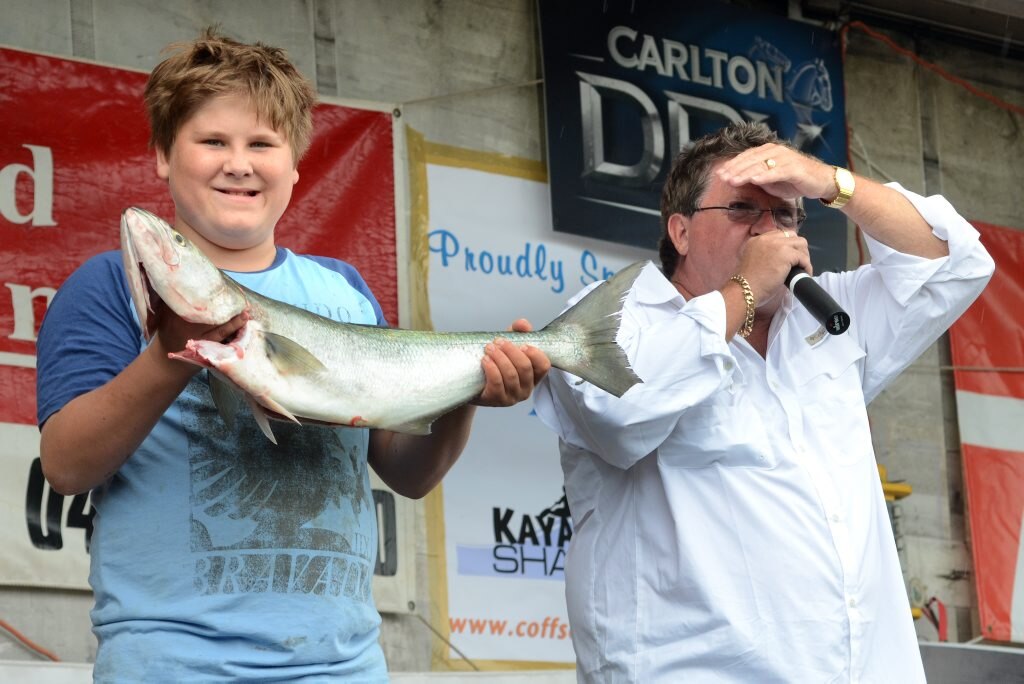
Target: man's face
{"type": "Point", "coordinates": [711, 243]}
{"type": "Point", "coordinates": [230, 175]}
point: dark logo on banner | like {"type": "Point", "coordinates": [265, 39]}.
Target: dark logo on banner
{"type": "Point", "coordinates": [531, 545]}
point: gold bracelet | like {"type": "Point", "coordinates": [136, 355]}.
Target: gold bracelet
{"type": "Point", "coordinates": [748, 297]}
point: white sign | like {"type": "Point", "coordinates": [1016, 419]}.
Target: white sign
{"type": "Point", "coordinates": [494, 258]}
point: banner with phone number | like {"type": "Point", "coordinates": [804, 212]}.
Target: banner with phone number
{"type": "Point", "coordinates": [73, 156]}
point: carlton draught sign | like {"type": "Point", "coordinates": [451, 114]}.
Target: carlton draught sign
{"type": "Point", "coordinates": [628, 84]}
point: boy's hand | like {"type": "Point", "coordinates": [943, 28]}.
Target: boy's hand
{"type": "Point", "coordinates": [510, 371]}
{"type": "Point", "coordinates": [173, 332]}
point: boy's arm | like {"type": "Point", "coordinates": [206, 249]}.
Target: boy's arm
{"type": "Point", "coordinates": [87, 440]}
{"type": "Point", "coordinates": [412, 465]}
{"type": "Point", "coordinates": [84, 443]}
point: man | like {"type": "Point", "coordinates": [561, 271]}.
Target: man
{"type": "Point", "coordinates": [217, 555]}
{"type": "Point", "coordinates": [729, 520]}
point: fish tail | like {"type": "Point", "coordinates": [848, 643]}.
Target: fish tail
{"type": "Point", "coordinates": [593, 322]}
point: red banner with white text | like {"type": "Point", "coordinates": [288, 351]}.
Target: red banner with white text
{"type": "Point", "coordinates": [988, 353]}
{"type": "Point", "coordinates": [73, 155]}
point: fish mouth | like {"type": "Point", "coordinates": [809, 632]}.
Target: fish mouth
{"type": "Point", "coordinates": [157, 307]}
{"type": "Point", "coordinates": [152, 298]}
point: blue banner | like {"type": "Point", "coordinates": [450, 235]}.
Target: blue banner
{"type": "Point", "coordinates": [628, 83]}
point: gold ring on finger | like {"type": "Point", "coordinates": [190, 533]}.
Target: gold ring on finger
{"type": "Point", "coordinates": [770, 163]}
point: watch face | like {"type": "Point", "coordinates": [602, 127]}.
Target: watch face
{"type": "Point", "coordinates": [845, 184]}
{"type": "Point", "coordinates": [844, 179]}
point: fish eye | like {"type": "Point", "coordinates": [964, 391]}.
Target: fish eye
{"type": "Point", "coordinates": [179, 238]}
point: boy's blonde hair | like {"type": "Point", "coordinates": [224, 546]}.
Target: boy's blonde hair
{"type": "Point", "coordinates": [214, 65]}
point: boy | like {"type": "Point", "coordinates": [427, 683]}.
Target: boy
{"type": "Point", "coordinates": [217, 555]}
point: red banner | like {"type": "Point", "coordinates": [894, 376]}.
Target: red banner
{"type": "Point", "coordinates": [74, 155]}
{"type": "Point", "coordinates": [988, 351]}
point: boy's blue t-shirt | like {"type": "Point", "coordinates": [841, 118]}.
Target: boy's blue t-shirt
{"type": "Point", "coordinates": [216, 555]}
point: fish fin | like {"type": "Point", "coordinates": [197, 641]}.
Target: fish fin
{"type": "Point", "coordinates": [227, 397]}
{"type": "Point", "coordinates": [261, 418]}
{"type": "Point", "coordinates": [285, 413]}
{"type": "Point", "coordinates": [596, 318]}
{"type": "Point", "coordinates": [290, 357]}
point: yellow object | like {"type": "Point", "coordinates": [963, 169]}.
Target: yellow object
{"type": "Point", "coordinates": [845, 185]}
{"type": "Point", "coordinates": [893, 490]}
{"type": "Point", "coordinates": [748, 298]}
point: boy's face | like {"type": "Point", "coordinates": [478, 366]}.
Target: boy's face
{"type": "Point", "coordinates": [230, 177]}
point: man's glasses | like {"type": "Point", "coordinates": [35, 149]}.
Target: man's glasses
{"type": "Point", "coordinates": [748, 214]}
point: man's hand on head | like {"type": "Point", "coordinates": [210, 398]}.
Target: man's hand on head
{"type": "Point", "coordinates": [780, 171]}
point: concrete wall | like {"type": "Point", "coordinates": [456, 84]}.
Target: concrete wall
{"type": "Point", "coordinates": [918, 127]}
{"type": "Point", "coordinates": [467, 73]}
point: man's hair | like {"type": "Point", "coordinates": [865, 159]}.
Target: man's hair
{"type": "Point", "coordinates": [688, 179]}
{"type": "Point", "coordinates": [214, 65]}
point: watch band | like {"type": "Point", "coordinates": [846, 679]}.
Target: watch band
{"type": "Point", "coordinates": [845, 185]}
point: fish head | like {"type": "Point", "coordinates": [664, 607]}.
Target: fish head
{"type": "Point", "coordinates": [160, 262]}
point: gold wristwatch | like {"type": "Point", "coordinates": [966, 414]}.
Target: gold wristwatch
{"type": "Point", "coordinates": [845, 184]}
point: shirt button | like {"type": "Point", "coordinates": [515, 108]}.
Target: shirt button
{"type": "Point", "coordinates": [728, 364]}
{"type": "Point", "coordinates": [852, 603]}
{"type": "Point", "coordinates": [835, 517]}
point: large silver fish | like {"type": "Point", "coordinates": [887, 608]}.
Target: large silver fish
{"type": "Point", "coordinates": [289, 363]}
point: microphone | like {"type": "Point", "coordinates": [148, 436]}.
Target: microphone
{"type": "Point", "coordinates": [818, 302]}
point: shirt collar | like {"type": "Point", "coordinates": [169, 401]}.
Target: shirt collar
{"type": "Point", "coordinates": [652, 287]}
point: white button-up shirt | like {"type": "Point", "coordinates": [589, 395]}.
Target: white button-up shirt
{"type": "Point", "coordinates": [729, 519]}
